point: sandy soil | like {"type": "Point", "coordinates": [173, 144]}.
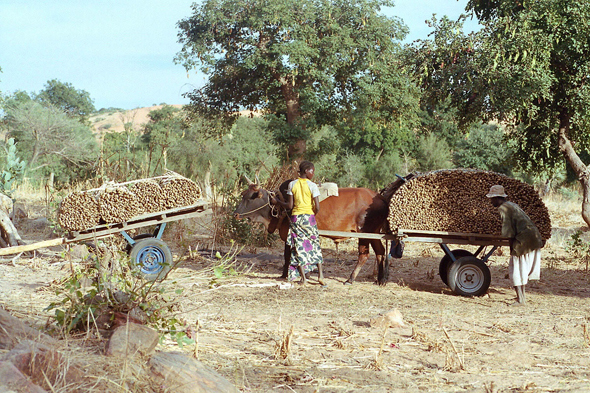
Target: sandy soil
{"type": "Point", "coordinates": [115, 121]}
{"type": "Point", "coordinates": [448, 344]}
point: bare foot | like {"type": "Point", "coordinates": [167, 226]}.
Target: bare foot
{"type": "Point", "coordinates": [517, 303]}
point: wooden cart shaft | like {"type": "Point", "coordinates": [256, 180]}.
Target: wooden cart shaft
{"type": "Point", "coordinates": [105, 230]}
{"type": "Point", "coordinates": [439, 237]}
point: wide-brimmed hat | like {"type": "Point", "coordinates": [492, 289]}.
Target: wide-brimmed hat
{"type": "Point", "coordinates": [496, 191]}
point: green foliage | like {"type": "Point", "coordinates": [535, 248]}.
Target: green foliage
{"type": "Point", "coordinates": [13, 169]}
{"type": "Point", "coordinates": [433, 153]}
{"type": "Point", "coordinates": [122, 157]}
{"type": "Point", "coordinates": [380, 172]}
{"type": "Point", "coordinates": [108, 111]}
{"type": "Point", "coordinates": [527, 68]}
{"type": "Point", "coordinates": [164, 129]}
{"type": "Point", "coordinates": [484, 147]}
{"type": "Point", "coordinates": [74, 103]}
{"type": "Point", "coordinates": [119, 290]}
{"type": "Point", "coordinates": [307, 64]}
{"type": "Point", "coordinates": [226, 264]}
{"type": "Point", "coordinates": [440, 118]}
{"type": "Point", "coordinates": [50, 142]}
{"type": "Point", "coordinates": [244, 150]}
{"type": "Point", "coordinates": [579, 248]}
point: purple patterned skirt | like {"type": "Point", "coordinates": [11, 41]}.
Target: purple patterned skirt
{"type": "Point", "coordinates": [304, 240]}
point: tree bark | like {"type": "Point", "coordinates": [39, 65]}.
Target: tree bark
{"type": "Point", "coordinates": [580, 169]}
{"type": "Point", "coordinates": [9, 232]}
{"type": "Point", "coordinates": [297, 148]}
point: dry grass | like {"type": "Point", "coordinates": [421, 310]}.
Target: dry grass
{"type": "Point", "coordinates": [450, 344]}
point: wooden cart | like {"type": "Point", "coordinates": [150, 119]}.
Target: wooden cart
{"type": "Point", "coordinates": [148, 252]}
{"type": "Point", "coordinates": [466, 273]}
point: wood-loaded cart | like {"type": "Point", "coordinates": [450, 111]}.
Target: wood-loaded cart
{"type": "Point", "coordinates": [149, 254]}
{"type": "Point", "coordinates": [466, 273]}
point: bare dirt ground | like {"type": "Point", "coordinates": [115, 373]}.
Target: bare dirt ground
{"type": "Point", "coordinates": [448, 344]}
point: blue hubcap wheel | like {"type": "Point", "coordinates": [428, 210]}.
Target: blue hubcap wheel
{"type": "Point", "coordinates": [152, 258]}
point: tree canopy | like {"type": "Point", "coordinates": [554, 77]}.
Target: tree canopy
{"type": "Point", "coordinates": [50, 141]}
{"type": "Point", "coordinates": [73, 102]}
{"type": "Point", "coordinates": [310, 63]}
{"type": "Point", "coordinates": [528, 68]}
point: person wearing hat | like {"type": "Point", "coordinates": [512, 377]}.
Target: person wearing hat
{"type": "Point", "coordinates": [525, 242]}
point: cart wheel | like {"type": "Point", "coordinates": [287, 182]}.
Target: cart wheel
{"type": "Point", "coordinates": [128, 247]}
{"type": "Point", "coordinates": [445, 263]}
{"type": "Point", "coordinates": [469, 276]}
{"type": "Point", "coordinates": [152, 258]}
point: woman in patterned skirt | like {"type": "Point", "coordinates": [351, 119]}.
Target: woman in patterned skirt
{"type": "Point", "coordinates": [303, 234]}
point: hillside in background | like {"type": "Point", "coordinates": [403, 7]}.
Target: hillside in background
{"type": "Point", "coordinates": [115, 120]}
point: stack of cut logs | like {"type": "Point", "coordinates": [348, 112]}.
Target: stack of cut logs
{"type": "Point", "coordinates": [114, 203]}
{"type": "Point", "coordinates": [455, 201]}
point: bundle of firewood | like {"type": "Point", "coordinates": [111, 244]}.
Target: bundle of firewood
{"type": "Point", "coordinates": [77, 211]}
{"type": "Point", "coordinates": [455, 201]}
{"type": "Point", "coordinates": [179, 191]}
{"type": "Point", "coordinates": [150, 195]}
{"type": "Point", "coordinates": [114, 203]}
{"type": "Point", "coordinates": [117, 204]}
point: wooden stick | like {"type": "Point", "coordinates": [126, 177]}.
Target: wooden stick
{"type": "Point", "coordinates": [454, 349]}
{"type": "Point", "coordinates": [32, 246]}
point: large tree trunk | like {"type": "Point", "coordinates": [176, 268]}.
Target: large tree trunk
{"type": "Point", "coordinates": [579, 168]}
{"type": "Point", "coordinates": [297, 149]}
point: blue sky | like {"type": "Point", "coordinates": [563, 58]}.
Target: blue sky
{"type": "Point", "coordinates": [121, 51]}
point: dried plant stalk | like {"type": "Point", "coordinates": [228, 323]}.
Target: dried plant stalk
{"type": "Point", "coordinates": [78, 211]}
{"type": "Point", "coordinates": [455, 201]}
{"type": "Point", "coordinates": [117, 204]}
{"type": "Point", "coordinates": [149, 195]}
{"type": "Point", "coordinates": [179, 191]}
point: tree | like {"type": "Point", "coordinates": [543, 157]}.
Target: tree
{"type": "Point", "coordinates": [306, 63]}
{"type": "Point", "coordinates": [163, 129]}
{"type": "Point", "coordinates": [433, 153]}
{"type": "Point", "coordinates": [528, 68]}
{"type": "Point", "coordinates": [74, 103]}
{"type": "Point", "coordinates": [484, 147]}
{"type": "Point", "coordinates": [51, 142]}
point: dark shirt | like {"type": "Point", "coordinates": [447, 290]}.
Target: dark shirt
{"type": "Point", "coordinates": [519, 227]}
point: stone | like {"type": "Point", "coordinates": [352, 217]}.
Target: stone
{"type": "Point", "coordinates": [45, 366]}
{"type": "Point", "coordinates": [179, 373]}
{"type": "Point", "coordinates": [393, 318]}
{"type": "Point", "coordinates": [79, 252]}
{"type": "Point", "coordinates": [12, 330]}
{"type": "Point", "coordinates": [131, 339]}
{"type": "Point", "coordinates": [12, 380]}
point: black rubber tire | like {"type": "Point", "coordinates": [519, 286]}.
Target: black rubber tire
{"type": "Point", "coordinates": [469, 276]}
{"type": "Point", "coordinates": [151, 258]}
{"type": "Point", "coordinates": [445, 263]}
{"type": "Point", "coordinates": [137, 238]}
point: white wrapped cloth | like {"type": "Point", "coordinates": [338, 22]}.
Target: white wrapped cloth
{"type": "Point", "coordinates": [524, 268]}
